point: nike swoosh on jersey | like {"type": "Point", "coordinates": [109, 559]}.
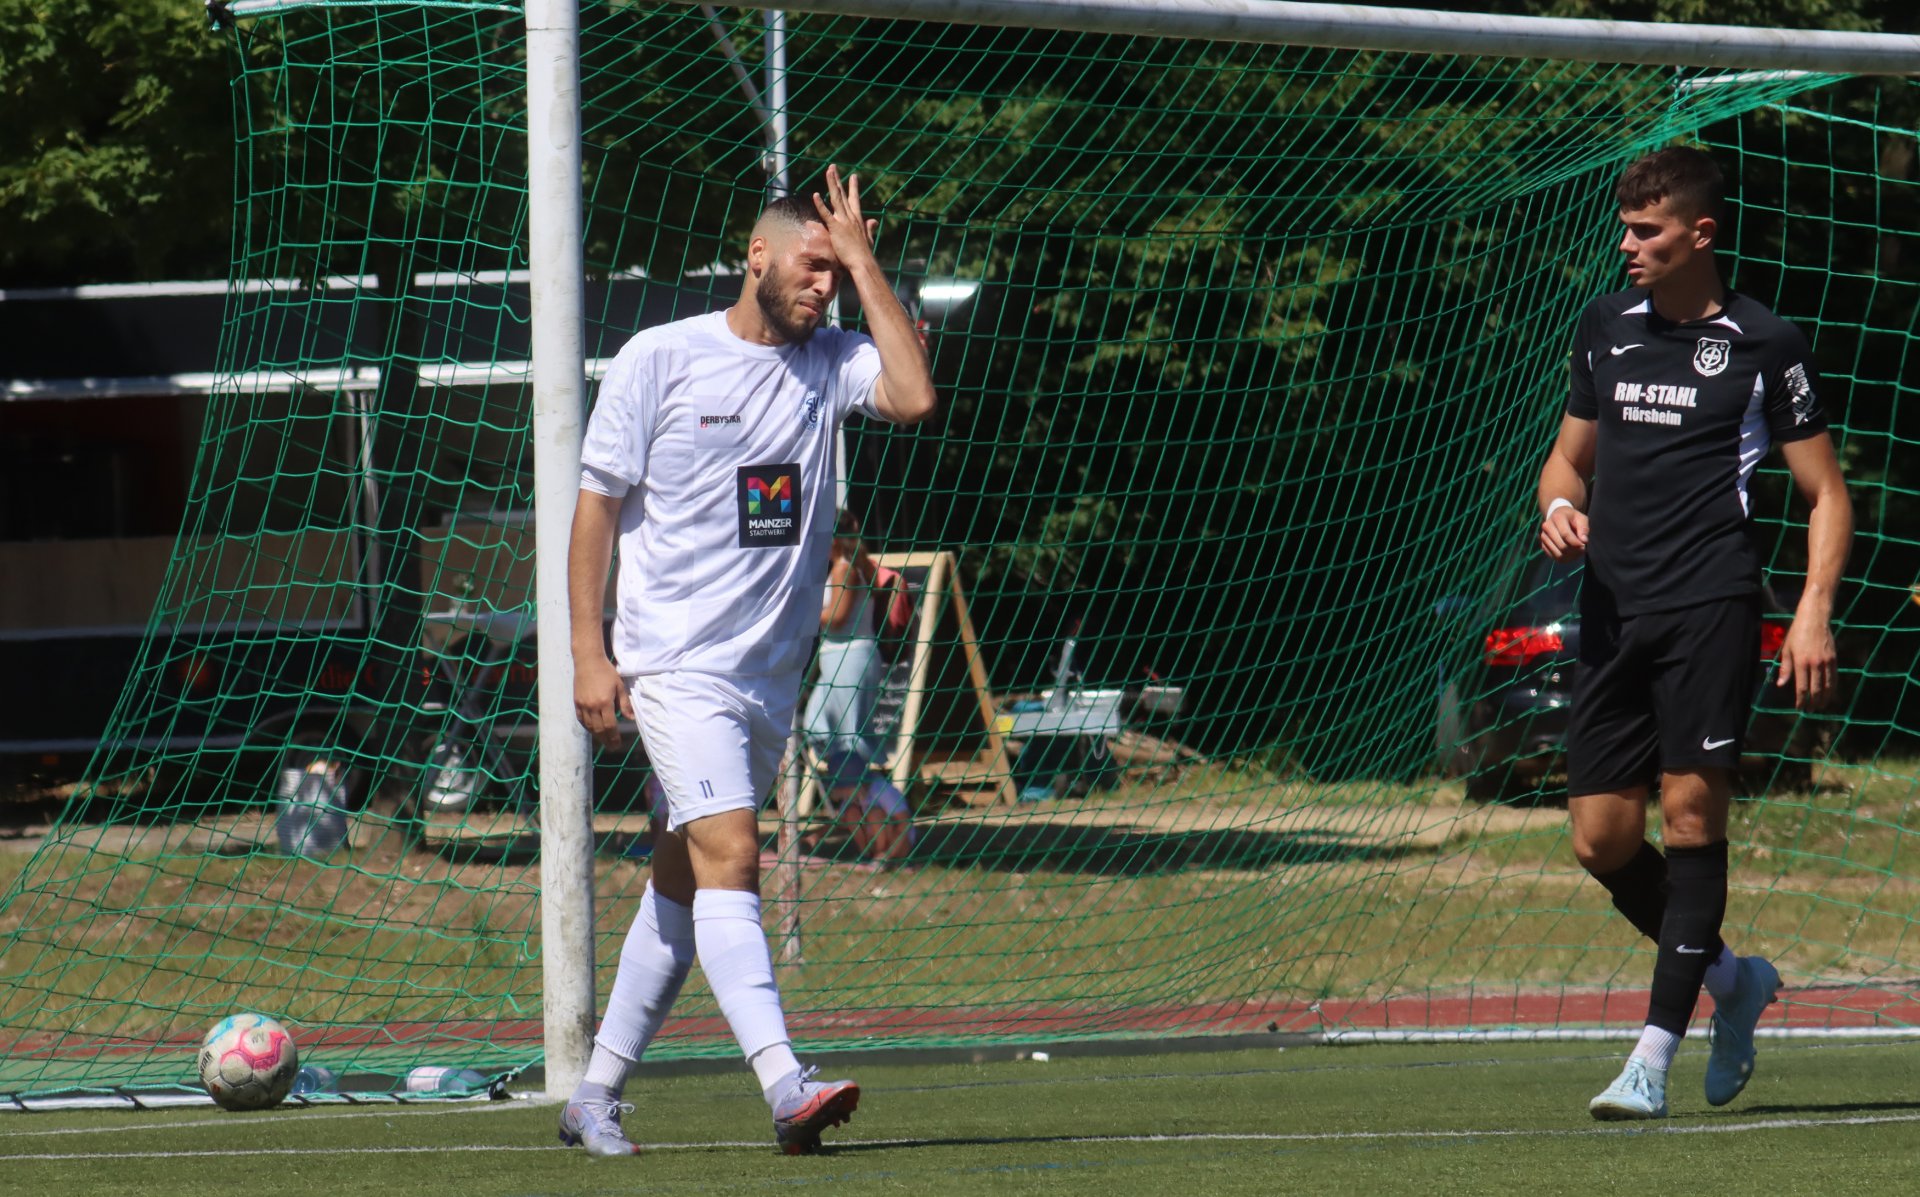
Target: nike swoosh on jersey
{"type": "Point", "coordinates": [1687, 951]}
{"type": "Point", "coordinates": [1710, 745]}
{"type": "Point", "coordinates": [1617, 350]}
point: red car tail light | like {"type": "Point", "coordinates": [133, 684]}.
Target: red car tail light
{"type": "Point", "coordinates": [1773, 636]}
{"type": "Point", "coordinates": [1519, 645]}
{"type": "Point", "coordinates": [197, 673]}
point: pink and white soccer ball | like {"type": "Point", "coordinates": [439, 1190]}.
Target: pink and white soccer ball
{"type": "Point", "coordinates": [247, 1062]}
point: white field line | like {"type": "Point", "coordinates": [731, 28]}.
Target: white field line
{"type": "Point", "coordinates": [1720, 1128]}
{"type": "Point", "coordinates": [1342, 1038]}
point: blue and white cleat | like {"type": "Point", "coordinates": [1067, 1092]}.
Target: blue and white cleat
{"type": "Point", "coordinates": [596, 1125]}
{"type": "Point", "coordinates": [1640, 1091]}
{"type": "Point", "coordinates": [810, 1108]}
{"type": "Point", "coordinates": [1730, 1065]}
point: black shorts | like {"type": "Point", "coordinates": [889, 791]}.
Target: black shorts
{"type": "Point", "coordinates": [1664, 690]}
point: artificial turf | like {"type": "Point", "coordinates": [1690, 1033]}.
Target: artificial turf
{"type": "Point", "coordinates": [1822, 1118]}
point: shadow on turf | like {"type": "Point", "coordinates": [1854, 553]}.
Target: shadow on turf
{"type": "Point", "coordinates": [1822, 1107]}
{"type": "Point", "coordinates": [853, 1148]}
{"type": "Point", "coordinates": [1121, 851]}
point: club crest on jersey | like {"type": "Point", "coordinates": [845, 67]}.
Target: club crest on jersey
{"type": "Point", "coordinates": [1711, 356]}
{"type": "Point", "coordinates": [769, 500]}
{"type": "Point", "coordinates": [811, 406]}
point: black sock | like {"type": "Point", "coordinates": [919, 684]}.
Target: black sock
{"type": "Point", "coordinates": [1689, 934]}
{"type": "Point", "coordinates": [1639, 890]}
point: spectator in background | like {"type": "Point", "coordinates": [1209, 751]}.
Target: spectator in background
{"type": "Point", "coordinates": [841, 706]}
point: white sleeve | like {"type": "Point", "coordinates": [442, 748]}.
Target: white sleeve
{"type": "Point", "coordinates": [599, 482]}
{"type": "Point", "coordinates": [855, 375]}
{"type": "Point", "coordinates": [620, 430]}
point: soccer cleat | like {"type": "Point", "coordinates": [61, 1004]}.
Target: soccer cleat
{"type": "Point", "coordinates": [1730, 1065]}
{"type": "Point", "coordinates": [811, 1107]}
{"type": "Point", "coordinates": [1640, 1091]}
{"type": "Point", "coordinates": [596, 1124]}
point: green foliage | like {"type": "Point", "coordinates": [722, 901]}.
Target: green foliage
{"type": "Point", "coordinates": [115, 142]}
{"type": "Point", "coordinates": [1892, 16]}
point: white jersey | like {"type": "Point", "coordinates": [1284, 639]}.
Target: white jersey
{"type": "Point", "coordinates": [723, 453]}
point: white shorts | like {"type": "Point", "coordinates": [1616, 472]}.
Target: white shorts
{"type": "Point", "coordinates": [715, 742]}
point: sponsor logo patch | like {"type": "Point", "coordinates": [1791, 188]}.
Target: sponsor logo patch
{"type": "Point", "coordinates": [1710, 356]}
{"type": "Point", "coordinates": [1800, 390]}
{"type": "Point", "coordinates": [769, 501]}
{"type": "Point", "coordinates": [718, 421]}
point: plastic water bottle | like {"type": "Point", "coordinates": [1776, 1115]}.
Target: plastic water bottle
{"type": "Point", "coordinates": [312, 1078]}
{"type": "Point", "coordinates": [438, 1078]}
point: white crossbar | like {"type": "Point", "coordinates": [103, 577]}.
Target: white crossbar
{"type": "Point", "coordinates": [1362, 27]}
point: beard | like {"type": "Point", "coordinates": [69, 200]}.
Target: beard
{"type": "Point", "coordinates": [776, 307]}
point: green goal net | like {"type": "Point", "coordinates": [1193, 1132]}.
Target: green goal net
{"type": "Point", "coordinates": [1232, 704]}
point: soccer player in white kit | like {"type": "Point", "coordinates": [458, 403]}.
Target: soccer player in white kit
{"type": "Point", "coordinates": [709, 455]}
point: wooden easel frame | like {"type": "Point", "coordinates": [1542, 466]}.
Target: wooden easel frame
{"type": "Point", "coordinates": [943, 586]}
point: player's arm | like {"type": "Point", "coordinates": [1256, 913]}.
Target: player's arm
{"type": "Point", "coordinates": [598, 697]}
{"type": "Point", "coordinates": [1808, 659]}
{"type": "Point", "coordinates": [1563, 489]}
{"type": "Point", "coordinates": [840, 596]}
{"type": "Point", "coordinates": [904, 393]}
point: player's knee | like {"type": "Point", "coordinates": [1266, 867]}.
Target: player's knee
{"type": "Point", "coordinates": [1695, 787]}
{"type": "Point", "coordinates": [745, 879]}
{"type": "Point", "coordinates": [725, 851]}
{"type": "Point", "coordinates": [1693, 807]}
{"type": "Point", "coordinates": [1691, 829]}
{"type": "Point", "coordinates": [732, 870]}
{"type": "Point", "coordinates": [1602, 850]}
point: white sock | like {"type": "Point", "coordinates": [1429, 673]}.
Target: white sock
{"type": "Point", "coordinates": [776, 1068]}
{"type": "Point", "coordinates": [734, 955]}
{"type": "Point", "coordinates": [1656, 1048]}
{"type": "Point", "coordinates": [1723, 975]}
{"type": "Point", "coordinates": [606, 1076]}
{"type": "Point", "coordinates": [654, 963]}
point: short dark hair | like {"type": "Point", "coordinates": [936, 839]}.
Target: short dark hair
{"type": "Point", "coordinates": [1687, 176]}
{"type": "Point", "coordinates": [794, 210]}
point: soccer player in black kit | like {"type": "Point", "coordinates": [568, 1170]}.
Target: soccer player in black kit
{"type": "Point", "coordinates": [1679, 388]}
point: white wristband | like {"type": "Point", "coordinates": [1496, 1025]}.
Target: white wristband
{"type": "Point", "coordinates": [1556, 505]}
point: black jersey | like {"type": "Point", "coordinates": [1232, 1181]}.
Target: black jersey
{"type": "Point", "coordinates": [1686, 411]}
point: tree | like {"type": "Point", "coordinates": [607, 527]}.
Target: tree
{"type": "Point", "coordinates": [116, 142]}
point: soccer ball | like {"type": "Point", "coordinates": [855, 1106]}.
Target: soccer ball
{"type": "Point", "coordinates": [247, 1062]}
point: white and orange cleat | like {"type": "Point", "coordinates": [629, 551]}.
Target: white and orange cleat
{"type": "Point", "coordinates": [811, 1107]}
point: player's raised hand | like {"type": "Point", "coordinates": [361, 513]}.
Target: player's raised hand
{"type": "Point", "coordinates": [1809, 663]}
{"type": "Point", "coordinates": [852, 233]}
{"type": "Point", "coordinates": [1563, 535]}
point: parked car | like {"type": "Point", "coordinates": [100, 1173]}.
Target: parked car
{"type": "Point", "coordinates": [1501, 724]}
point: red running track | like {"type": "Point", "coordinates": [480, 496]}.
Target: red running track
{"type": "Point", "coordinates": [1835, 1008]}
